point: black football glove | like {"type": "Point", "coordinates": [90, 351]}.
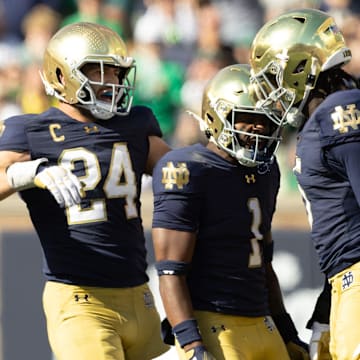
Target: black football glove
{"type": "Point", "coordinates": [166, 332]}
{"type": "Point", "coordinates": [297, 349]}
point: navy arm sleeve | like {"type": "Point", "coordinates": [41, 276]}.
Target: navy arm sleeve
{"type": "Point", "coordinates": [13, 137]}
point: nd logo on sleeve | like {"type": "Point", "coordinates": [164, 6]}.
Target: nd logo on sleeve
{"type": "Point", "coordinates": [178, 176]}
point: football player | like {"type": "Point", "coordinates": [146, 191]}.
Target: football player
{"type": "Point", "coordinates": [302, 73]}
{"type": "Point", "coordinates": [213, 207]}
{"type": "Point", "coordinates": [81, 183]}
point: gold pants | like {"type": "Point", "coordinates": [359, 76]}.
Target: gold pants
{"type": "Point", "coordinates": [345, 314]}
{"type": "Point", "coordinates": [90, 323]}
{"type": "Point", "coordinates": [230, 337]}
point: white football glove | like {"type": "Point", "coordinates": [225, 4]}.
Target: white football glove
{"type": "Point", "coordinates": [61, 182]}
{"type": "Point", "coordinates": [319, 342]}
{"type": "Point", "coordinates": [64, 186]}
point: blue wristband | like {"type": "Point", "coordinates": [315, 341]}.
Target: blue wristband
{"type": "Point", "coordinates": [187, 332]}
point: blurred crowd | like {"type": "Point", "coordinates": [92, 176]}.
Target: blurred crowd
{"type": "Point", "coordinates": [178, 45]}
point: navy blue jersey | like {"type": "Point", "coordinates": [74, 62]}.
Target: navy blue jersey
{"type": "Point", "coordinates": [230, 207]}
{"type": "Point", "coordinates": [328, 172]}
{"type": "Point", "coordinates": [101, 241]}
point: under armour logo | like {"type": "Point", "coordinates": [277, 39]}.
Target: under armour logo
{"type": "Point", "coordinates": [167, 272]}
{"type": "Point", "coordinates": [148, 300]}
{"type": "Point", "coordinates": [90, 129]}
{"type": "Point", "coordinates": [269, 323]}
{"type": "Point", "coordinates": [250, 178]}
{"type": "Point", "coordinates": [347, 280]}
{"type": "Point", "coordinates": [78, 297]}
{"type": "Point", "coordinates": [214, 328]}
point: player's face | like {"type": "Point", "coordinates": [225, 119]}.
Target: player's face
{"type": "Point", "coordinates": [110, 75]}
{"type": "Point", "coordinates": [256, 124]}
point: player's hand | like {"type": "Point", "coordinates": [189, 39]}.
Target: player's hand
{"type": "Point", "coordinates": [298, 350]}
{"type": "Point", "coordinates": [62, 184]}
{"type": "Point", "coordinates": [319, 342]}
{"type": "Point", "coordinates": [199, 353]}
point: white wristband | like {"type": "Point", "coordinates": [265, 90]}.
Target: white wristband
{"type": "Point", "coordinates": [318, 329]}
{"type": "Point", "coordinates": [21, 175]}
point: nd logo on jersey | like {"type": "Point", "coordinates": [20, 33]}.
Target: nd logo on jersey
{"type": "Point", "coordinates": [172, 175]}
{"type": "Point", "coordinates": [347, 118]}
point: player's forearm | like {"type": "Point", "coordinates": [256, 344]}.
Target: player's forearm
{"type": "Point", "coordinates": [176, 299]}
{"type": "Point", "coordinates": [276, 302]}
{"type": "Point", "coordinates": [179, 311]}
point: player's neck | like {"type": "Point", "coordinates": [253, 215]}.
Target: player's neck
{"type": "Point", "coordinates": [75, 113]}
{"type": "Point", "coordinates": [213, 147]}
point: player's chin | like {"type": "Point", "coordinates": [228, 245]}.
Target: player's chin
{"type": "Point", "coordinates": [251, 145]}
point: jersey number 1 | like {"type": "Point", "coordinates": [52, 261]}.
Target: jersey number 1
{"type": "Point", "coordinates": [255, 258]}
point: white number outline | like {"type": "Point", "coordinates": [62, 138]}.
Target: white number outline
{"type": "Point", "coordinates": [255, 258]}
{"type": "Point", "coordinates": [120, 168]}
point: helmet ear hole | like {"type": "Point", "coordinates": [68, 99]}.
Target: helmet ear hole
{"type": "Point", "coordinates": [300, 67]}
{"type": "Point", "coordinates": [209, 118]}
{"type": "Point", "coordinates": [301, 19]}
{"type": "Point", "coordinates": [59, 76]}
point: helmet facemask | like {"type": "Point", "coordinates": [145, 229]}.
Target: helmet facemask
{"type": "Point", "coordinates": [270, 92]}
{"type": "Point", "coordinates": [273, 92]}
{"type": "Point", "coordinates": [248, 148]}
{"type": "Point", "coordinates": [120, 95]}
{"type": "Point", "coordinates": [287, 56]}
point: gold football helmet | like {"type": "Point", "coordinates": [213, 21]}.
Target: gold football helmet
{"type": "Point", "coordinates": [82, 43]}
{"type": "Point", "coordinates": [226, 95]}
{"type": "Point", "coordinates": [288, 54]}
